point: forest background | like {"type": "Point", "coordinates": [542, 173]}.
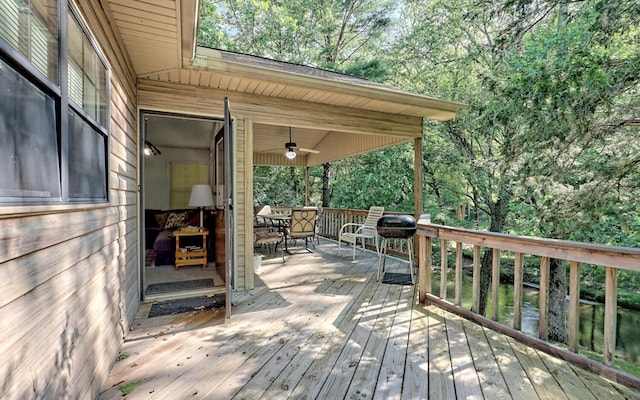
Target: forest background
{"type": "Point", "coordinates": [547, 146]}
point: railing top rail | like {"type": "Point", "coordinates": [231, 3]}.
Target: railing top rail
{"type": "Point", "coordinates": [610, 256]}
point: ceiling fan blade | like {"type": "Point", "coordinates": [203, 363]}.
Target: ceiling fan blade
{"type": "Point", "coordinates": [309, 150]}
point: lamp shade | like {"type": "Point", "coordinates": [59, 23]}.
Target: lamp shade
{"type": "Point", "coordinates": [201, 196]}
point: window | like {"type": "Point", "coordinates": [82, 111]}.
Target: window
{"type": "Point", "coordinates": [182, 178]}
{"type": "Point", "coordinates": [31, 28]}
{"type": "Point", "coordinates": [53, 142]}
{"type": "Point", "coordinates": [87, 74]}
{"type": "Point", "coordinates": [87, 167]}
{"type": "Point", "coordinates": [28, 140]}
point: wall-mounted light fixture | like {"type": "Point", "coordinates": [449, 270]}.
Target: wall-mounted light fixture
{"type": "Point", "coordinates": [150, 149]}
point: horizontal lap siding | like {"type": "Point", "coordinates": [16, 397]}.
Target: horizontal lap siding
{"type": "Point", "coordinates": [240, 204]}
{"type": "Point", "coordinates": [69, 278]}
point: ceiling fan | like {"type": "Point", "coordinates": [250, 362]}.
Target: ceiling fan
{"type": "Point", "coordinates": [291, 148]}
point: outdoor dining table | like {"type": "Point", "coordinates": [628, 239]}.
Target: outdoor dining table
{"type": "Point", "coordinates": [282, 222]}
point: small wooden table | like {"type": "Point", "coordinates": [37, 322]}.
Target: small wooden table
{"type": "Point", "coordinates": [191, 254]}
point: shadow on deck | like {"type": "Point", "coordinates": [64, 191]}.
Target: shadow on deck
{"type": "Point", "coordinates": [321, 327]}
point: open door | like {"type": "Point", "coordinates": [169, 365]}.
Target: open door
{"type": "Point", "coordinates": [228, 205]}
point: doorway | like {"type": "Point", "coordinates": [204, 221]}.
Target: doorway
{"type": "Point", "coordinates": [178, 153]}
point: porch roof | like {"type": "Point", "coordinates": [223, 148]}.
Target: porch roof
{"type": "Point", "coordinates": [160, 40]}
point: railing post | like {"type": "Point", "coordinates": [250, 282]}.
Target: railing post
{"type": "Point", "coordinates": [458, 285]}
{"type": "Point", "coordinates": [444, 267]}
{"type": "Point", "coordinates": [517, 291]}
{"type": "Point", "coordinates": [574, 305]}
{"type": "Point", "coordinates": [543, 297]}
{"type": "Point", "coordinates": [422, 269]}
{"type": "Point", "coordinates": [475, 291]}
{"type": "Point", "coordinates": [495, 284]}
{"type": "Point", "coordinates": [610, 314]}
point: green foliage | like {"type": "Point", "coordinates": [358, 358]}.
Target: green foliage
{"type": "Point", "coordinates": [278, 186]}
{"type": "Point", "coordinates": [384, 177]}
{"type": "Point", "coordinates": [341, 36]}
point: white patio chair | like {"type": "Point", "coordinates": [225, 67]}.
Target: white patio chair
{"type": "Point", "coordinates": [351, 232]}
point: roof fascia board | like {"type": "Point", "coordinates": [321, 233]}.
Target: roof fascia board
{"type": "Point", "coordinates": [188, 22]}
{"type": "Point", "coordinates": [211, 59]}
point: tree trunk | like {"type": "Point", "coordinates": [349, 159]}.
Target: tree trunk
{"type": "Point", "coordinates": [326, 190]}
{"type": "Point", "coordinates": [294, 181]}
{"type": "Point", "coordinates": [557, 302]}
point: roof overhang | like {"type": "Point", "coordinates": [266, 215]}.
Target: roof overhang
{"type": "Point", "coordinates": [159, 38]}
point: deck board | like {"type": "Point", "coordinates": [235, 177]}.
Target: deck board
{"type": "Point", "coordinates": [321, 327]}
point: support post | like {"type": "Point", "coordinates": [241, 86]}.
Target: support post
{"type": "Point", "coordinates": [444, 267]}
{"type": "Point", "coordinates": [518, 278]}
{"type": "Point", "coordinates": [574, 305]}
{"type": "Point", "coordinates": [475, 290]}
{"type": "Point", "coordinates": [610, 314]}
{"type": "Point", "coordinates": [543, 298]}
{"type": "Point", "coordinates": [458, 298]}
{"type": "Point", "coordinates": [495, 284]}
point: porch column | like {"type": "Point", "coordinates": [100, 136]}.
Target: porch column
{"type": "Point", "coordinates": [417, 176]}
{"type": "Point", "coordinates": [306, 186]}
{"type": "Point", "coordinates": [417, 188]}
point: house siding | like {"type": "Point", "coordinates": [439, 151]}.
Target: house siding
{"type": "Point", "coordinates": [69, 274]}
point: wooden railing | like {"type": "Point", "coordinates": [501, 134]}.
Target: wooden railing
{"type": "Point", "coordinates": [612, 258]}
{"type": "Point", "coordinates": [575, 253]}
{"type": "Point", "coordinates": [332, 219]}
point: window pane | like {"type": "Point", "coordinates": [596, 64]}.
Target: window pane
{"type": "Point", "coordinates": [28, 140]}
{"type": "Point", "coordinates": [31, 27]}
{"type": "Point", "coordinates": [87, 74]}
{"type": "Point", "coordinates": [87, 161]}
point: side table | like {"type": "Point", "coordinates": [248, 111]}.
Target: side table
{"type": "Point", "coordinates": [191, 254]}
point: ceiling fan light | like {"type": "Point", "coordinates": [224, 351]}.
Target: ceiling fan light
{"type": "Point", "coordinates": [290, 154]}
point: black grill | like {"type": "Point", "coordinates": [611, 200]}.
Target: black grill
{"type": "Point", "coordinates": [396, 226]}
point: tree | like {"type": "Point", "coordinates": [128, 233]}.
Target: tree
{"type": "Point", "coordinates": [543, 81]}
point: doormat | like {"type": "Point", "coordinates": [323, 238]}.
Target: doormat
{"type": "Point", "coordinates": [167, 287]}
{"type": "Point", "coordinates": [179, 306]}
{"type": "Point", "coordinates": [149, 257]}
{"type": "Point", "coordinates": [394, 278]}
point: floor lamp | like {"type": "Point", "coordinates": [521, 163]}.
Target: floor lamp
{"type": "Point", "coordinates": [201, 197]}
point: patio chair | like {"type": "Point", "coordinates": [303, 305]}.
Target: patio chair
{"type": "Point", "coordinates": [271, 240]}
{"type": "Point", "coordinates": [318, 220]}
{"type": "Point", "coordinates": [259, 222]}
{"type": "Point", "coordinates": [303, 225]}
{"type": "Point", "coordinates": [351, 232]}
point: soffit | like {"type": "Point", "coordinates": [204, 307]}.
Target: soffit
{"type": "Point", "coordinates": [158, 34]}
{"type": "Point", "coordinates": [269, 141]}
{"type": "Point", "coordinates": [258, 76]}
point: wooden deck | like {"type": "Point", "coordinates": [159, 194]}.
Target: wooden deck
{"type": "Point", "coordinates": [322, 327]}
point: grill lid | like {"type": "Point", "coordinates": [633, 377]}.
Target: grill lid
{"type": "Point", "coordinates": [396, 226]}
